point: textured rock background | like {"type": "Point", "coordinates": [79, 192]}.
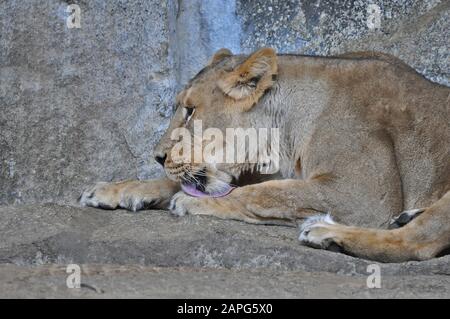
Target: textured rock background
{"type": "Point", "coordinates": [79, 105]}
{"type": "Point", "coordinates": [83, 105]}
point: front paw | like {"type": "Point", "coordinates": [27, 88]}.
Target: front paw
{"type": "Point", "coordinates": [319, 232]}
{"type": "Point", "coordinates": [100, 196]}
{"type": "Point", "coordinates": [130, 195]}
{"type": "Point", "coordinates": [180, 204]}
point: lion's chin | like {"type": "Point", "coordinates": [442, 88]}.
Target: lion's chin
{"type": "Point", "coordinates": [192, 190]}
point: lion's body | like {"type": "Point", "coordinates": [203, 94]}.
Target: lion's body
{"type": "Point", "coordinates": [378, 125]}
{"type": "Point", "coordinates": [362, 136]}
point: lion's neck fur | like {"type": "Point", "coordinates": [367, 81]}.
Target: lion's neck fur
{"type": "Point", "coordinates": [290, 107]}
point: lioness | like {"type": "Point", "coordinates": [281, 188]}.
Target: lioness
{"type": "Point", "coordinates": [363, 137]}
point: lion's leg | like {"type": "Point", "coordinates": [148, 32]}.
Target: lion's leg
{"type": "Point", "coordinates": [279, 202]}
{"type": "Point", "coordinates": [424, 237]}
{"type": "Point", "coordinates": [131, 195]}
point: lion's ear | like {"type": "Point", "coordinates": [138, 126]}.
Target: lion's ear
{"type": "Point", "coordinates": [219, 55]}
{"type": "Point", "coordinates": [251, 78]}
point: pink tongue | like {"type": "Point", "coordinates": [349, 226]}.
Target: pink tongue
{"type": "Point", "coordinates": [191, 190]}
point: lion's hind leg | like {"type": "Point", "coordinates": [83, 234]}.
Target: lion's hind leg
{"type": "Point", "coordinates": [422, 238]}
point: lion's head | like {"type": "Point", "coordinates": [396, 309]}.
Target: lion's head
{"type": "Point", "coordinates": [222, 95]}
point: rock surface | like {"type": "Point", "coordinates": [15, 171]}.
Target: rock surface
{"type": "Point", "coordinates": [153, 254]}
{"type": "Point", "coordinates": [114, 281]}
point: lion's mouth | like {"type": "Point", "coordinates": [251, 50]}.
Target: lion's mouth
{"type": "Point", "coordinates": [197, 186]}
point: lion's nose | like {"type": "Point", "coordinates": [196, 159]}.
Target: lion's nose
{"type": "Point", "coordinates": [161, 158]}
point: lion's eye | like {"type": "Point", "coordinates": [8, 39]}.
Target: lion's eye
{"type": "Point", "coordinates": [188, 112]}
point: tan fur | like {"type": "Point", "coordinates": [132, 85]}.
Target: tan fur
{"type": "Point", "coordinates": [363, 137]}
{"type": "Point", "coordinates": [220, 55]}
{"type": "Point", "coordinates": [261, 64]}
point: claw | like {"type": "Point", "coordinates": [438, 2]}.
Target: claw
{"type": "Point", "coordinates": [405, 217]}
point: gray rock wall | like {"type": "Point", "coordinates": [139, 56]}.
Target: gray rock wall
{"type": "Point", "coordinates": [88, 104]}
{"type": "Point", "coordinates": [80, 105]}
